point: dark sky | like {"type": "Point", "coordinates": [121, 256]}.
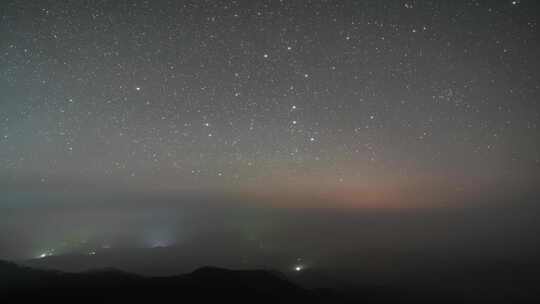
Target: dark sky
{"type": "Point", "coordinates": [117, 117]}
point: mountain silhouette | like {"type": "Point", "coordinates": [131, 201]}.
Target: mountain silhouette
{"type": "Point", "coordinates": [204, 284]}
{"type": "Point", "coordinates": [469, 283]}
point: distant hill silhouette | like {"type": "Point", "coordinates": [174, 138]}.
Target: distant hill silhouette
{"type": "Point", "coordinates": [486, 283]}
{"type": "Point", "coordinates": [204, 284]}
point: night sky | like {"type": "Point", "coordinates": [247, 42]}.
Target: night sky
{"type": "Point", "coordinates": [333, 106]}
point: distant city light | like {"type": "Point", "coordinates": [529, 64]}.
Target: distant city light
{"type": "Point", "coordinates": [46, 253]}
{"type": "Point", "coordinates": [161, 244]}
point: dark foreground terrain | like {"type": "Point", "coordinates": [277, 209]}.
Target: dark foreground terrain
{"type": "Point", "coordinates": [18, 283]}
{"type": "Point", "coordinates": [204, 284]}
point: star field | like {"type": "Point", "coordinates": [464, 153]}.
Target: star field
{"type": "Point", "coordinates": [366, 102]}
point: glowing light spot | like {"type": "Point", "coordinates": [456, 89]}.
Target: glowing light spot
{"type": "Point", "coordinates": [45, 254]}
{"type": "Point", "coordinates": [160, 244]}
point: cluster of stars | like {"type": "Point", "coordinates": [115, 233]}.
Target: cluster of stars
{"type": "Point", "coordinates": [215, 94]}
